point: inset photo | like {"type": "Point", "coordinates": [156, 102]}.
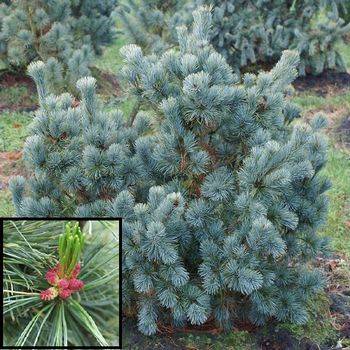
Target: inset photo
{"type": "Point", "coordinates": [61, 283]}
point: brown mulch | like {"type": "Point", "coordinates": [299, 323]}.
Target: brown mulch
{"type": "Point", "coordinates": [327, 83]}
{"type": "Point", "coordinates": [107, 85]}
{"type": "Point", "coordinates": [24, 102]}
{"type": "Point", "coordinates": [337, 269]}
{"type": "Point", "coordinates": [8, 79]}
{"type": "Point", "coordinates": [11, 164]}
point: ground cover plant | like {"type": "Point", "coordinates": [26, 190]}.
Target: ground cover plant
{"type": "Point", "coordinates": [57, 290]}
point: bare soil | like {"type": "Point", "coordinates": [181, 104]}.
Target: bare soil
{"type": "Point", "coordinates": [107, 86]}
{"type": "Point", "coordinates": [343, 132]}
{"type": "Point", "coordinates": [11, 164]}
{"type": "Point", "coordinates": [24, 102]}
{"type": "Point", "coordinates": [325, 84]}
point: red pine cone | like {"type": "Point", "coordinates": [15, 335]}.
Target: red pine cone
{"type": "Point", "coordinates": [63, 287]}
{"type": "Point", "coordinates": [63, 283]}
{"type": "Point", "coordinates": [76, 271]}
{"type": "Point", "coordinates": [75, 284]}
{"type": "Point", "coordinates": [52, 277]}
{"type": "Point", "coordinates": [65, 293]}
{"type": "Point", "coordinates": [48, 294]}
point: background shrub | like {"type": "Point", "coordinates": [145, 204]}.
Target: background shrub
{"type": "Point", "coordinates": [66, 34]}
{"type": "Point", "coordinates": [250, 33]}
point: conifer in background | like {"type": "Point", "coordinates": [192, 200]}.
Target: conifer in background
{"type": "Point", "coordinates": [94, 22]}
{"type": "Point", "coordinates": [67, 34]}
{"type": "Point", "coordinates": [151, 24]}
{"type": "Point", "coordinates": [221, 196]}
{"type": "Point", "coordinates": [345, 11]}
{"type": "Point", "coordinates": [250, 33]}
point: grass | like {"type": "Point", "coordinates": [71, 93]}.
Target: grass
{"type": "Point", "coordinates": [310, 102]}
{"type": "Point", "coordinates": [17, 95]}
{"type": "Point", "coordinates": [6, 205]}
{"type": "Point", "coordinates": [111, 60]}
{"type": "Point", "coordinates": [13, 130]}
{"type": "Point", "coordinates": [337, 228]}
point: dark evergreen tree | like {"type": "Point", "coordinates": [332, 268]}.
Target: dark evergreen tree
{"type": "Point", "coordinates": [221, 198]}
{"type": "Point", "coordinates": [151, 24]}
{"type": "Point", "coordinates": [65, 33]}
{"type": "Point", "coordinates": [256, 32]}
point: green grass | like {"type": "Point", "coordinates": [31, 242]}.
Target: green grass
{"type": "Point", "coordinates": [111, 60]}
{"type": "Point", "coordinates": [338, 171]}
{"type": "Point", "coordinates": [309, 101]}
{"type": "Point", "coordinates": [17, 95]}
{"type": "Point", "coordinates": [6, 206]}
{"type": "Point", "coordinates": [13, 130]}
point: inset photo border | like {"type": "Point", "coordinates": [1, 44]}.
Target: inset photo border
{"type": "Point", "coordinates": [62, 283]}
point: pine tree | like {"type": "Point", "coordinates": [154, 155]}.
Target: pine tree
{"type": "Point", "coordinates": [248, 195]}
{"type": "Point", "coordinates": [94, 22]}
{"type": "Point", "coordinates": [221, 217]}
{"type": "Point", "coordinates": [345, 12]}
{"type": "Point", "coordinates": [151, 24]}
{"type": "Point", "coordinates": [81, 156]}
{"type": "Point", "coordinates": [256, 32]}
{"type": "Point", "coordinates": [67, 34]}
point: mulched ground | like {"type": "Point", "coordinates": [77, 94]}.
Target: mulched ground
{"type": "Point", "coordinates": [337, 269]}
{"type": "Point", "coordinates": [25, 101]}
{"type": "Point", "coordinates": [342, 132]}
{"type": "Point", "coordinates": [107, 86]}
{"type": "Point", "coordinates": [11, 164]}
{"type": "Point", "coordinates": [327, 83]}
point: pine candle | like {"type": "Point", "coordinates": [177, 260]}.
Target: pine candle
{"type": "Point", "coordinates": [63, 277]}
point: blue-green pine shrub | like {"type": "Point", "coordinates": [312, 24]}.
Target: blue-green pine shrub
{"type": "Point", "coordinates": [220, 186]}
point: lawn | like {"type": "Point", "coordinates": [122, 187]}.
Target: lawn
{"type": "Point", "coordinates": [335, 104]}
